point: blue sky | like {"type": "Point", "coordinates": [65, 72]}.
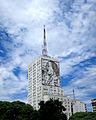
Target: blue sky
{"type": "Point", "coordinates": [71, 38]}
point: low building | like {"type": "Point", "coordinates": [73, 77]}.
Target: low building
{"type": "Point", "coordinates": [72, 106]}
{"type": "Point", "coordinates": [78, 106]}
{"type": "Point", "coordinates": [94, 105]}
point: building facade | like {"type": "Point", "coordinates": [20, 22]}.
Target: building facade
{"type": "Point", "coordinates": [43, 79]}
{"type": "Point", "coordinates": [44, 83]}
{"type": "Point", "coordinates": [94, 105]}
{"type": "Point", "coordinates": [78, 106]}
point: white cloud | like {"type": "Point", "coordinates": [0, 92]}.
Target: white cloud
{"type": "Point", "coordinates": [69, 32]}
{"type": "Point", "coordinates": [10, 84]}
{"type": "Point", "coordinates": [84, 87]}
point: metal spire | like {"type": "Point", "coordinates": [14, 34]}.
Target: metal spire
{"type": "Point", "coordinates": [44, 50]}
{"type": "Point", "coordinates": [73, 94]}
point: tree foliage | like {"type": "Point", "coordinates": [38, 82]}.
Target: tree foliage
{"type": "Point", "coordinates": [84, 116]}
{"type": "Point", "coordinates": [52, 110]}
{"type": "Point", "coordinates": [16, 111]}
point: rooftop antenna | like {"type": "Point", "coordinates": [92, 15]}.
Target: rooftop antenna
{"type": "Point", "coordinates": [44, 50]}
{"type": "Point", "coordinates": [73, 94]}
{"type": "Point", "coordinates": [73, 102]}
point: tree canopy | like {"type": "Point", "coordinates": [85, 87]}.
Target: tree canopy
{"type": "Point", "coordinates": [83, 116]}
{"type": "Point", "coordinates": [16, 111]}
{"type": "Point", "coordinates": [52, 110]}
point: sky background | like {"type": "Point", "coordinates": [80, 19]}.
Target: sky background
{"type": "Point", "coordinates": [71, 38]}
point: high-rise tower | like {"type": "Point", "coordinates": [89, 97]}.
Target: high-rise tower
{"type": "Point", "coordinates": [44, 81]}
{"type": "Point", "coordinates": [43, 77]}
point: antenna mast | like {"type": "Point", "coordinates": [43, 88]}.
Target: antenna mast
{"type": "Point", "coordinates": [73, 95]}
{"type": "Point", "coordinates": [44, 50]}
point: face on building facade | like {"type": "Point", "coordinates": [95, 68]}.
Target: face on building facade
{"type": "Point", "coordinates": [50, 72]}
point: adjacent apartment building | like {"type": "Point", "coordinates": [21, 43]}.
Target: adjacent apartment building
{"type": "Point", "coordinates": [44, 83]}
{"type": "Point", "coordinates": [94, 104]}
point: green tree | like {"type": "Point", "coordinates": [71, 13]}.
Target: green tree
{"type": "Point", "coordinates": [52, 110]}
{"type": "Point", "coordinates": [17, 111]}
{"type": "Point", "coordinates": [83, 116]}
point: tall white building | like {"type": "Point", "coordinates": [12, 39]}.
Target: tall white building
{"type": "Point", "coordinates": [43, 77]}
{"type": "Point", "coordinates": [44, 81]}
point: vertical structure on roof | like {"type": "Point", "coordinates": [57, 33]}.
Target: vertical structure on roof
{"type": "Point", "coordinates": [44, 49]}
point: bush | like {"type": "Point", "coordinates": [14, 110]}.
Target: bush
{"type": "Point", "coordinates": [83, 116]}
